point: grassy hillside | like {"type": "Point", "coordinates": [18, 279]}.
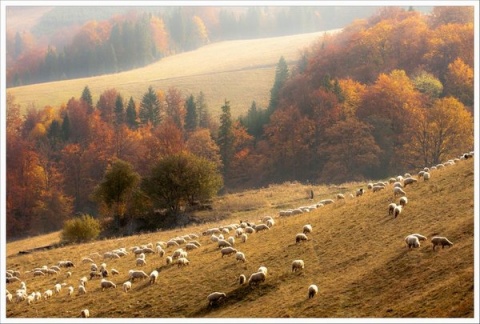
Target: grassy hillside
{"type": "Point", "coordinates": [240, 71]}
{"type": "Point", "coordinates": [356, 255]}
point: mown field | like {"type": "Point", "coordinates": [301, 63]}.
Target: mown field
{"type": "Point", "coordinates": [356, 255]}
{"type": "Point", "coordinates": [239, 71]}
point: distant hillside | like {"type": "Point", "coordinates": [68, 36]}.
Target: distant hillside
{"type": "Point", "coordinates": [356, 255]}
{"type": "Point", "coordinates": [240, 71]}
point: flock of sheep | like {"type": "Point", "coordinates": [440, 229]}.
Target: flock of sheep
{"type": "Point", "coordinates": [237, 234]}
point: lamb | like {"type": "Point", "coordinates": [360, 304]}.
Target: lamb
{"type": "Point", "coordinates": [215, 298]}
{"type": "Point", "coordinates": [403, 201]}
{"type": "Point", "coordinates": [391, 208]}
{"type": "Point", "coordinates": [137, 274]}
{"type": "Point", "coordinates": [397, 211]}
{"type": "Point", "coordinates": [107, 284]}
{"type": "Point", "coordinates": [85, 313]}
{"type": "Point", "coordinates": [300, 237]}
{"type": "Point", "coordinates": [312, 291]}
{"type": "Point", "coordinates": [412, 241]}
{"type": "Point", "coordinates": [127, 285]}
{"type": "Point", "coordinates": [256, 278]}
{"type": "Point", "coordinates": [398, 191]}
{"type": "Point", "coordinates": [240, 256]}
{"type": "Point", "coordinates": [307, 228]}
{"type": "Point", "coordinates": [359, 192]}
{"type": "Point", "coordinates": [297, 265]}
{"type": "Point", "coordinates": [227, 251]}
{"type": "Point", "coordinates": [242, 279]}
{"type": "Point", "coordinates": [440, 240]}
{"type": "Point", "coordinates": [153, 276]}
{"type": "Point", "coordinates": [408, 181]}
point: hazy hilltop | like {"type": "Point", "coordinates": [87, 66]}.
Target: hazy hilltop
{"type": "Point", "coordinates": [356, 255]}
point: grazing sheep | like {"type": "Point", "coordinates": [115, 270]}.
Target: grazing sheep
{"type": "Point", "coordinates": [140, 262]}
{"type": "Point", "coordinates": [397, 211]}
{"type": "Point", "coordinates": [440, 240]}
{"type": "Point", "coordinates": [57, 288]}
{"type": "Point", "coordinates": [85, 313]}
{"type": "Point", "coordinates": [68, 274]}
{"type": "Point", "coordinates": [398, 191]}
{"type": "Point", "coordinates": [359, 192]}
{"type": "Point", "coordinates": [93, 267]}
{"type": "Point", "coordinates": [242, 279]}
{"type": "Point", "coordinates": [191, 246]}
{"type": "Point", "coordinates": [300, 237]}
{"type": "Point", "coordinates": [177, 253]}
{"type": "Point", "coordinates": [153, 276]}
{"type": "Point", "coordinates": [240, 256]}
{"type": "Point", "coordinates": [114, 272]}
{"type": "Point", "coordinates": [9, 297]}
{"type": "Point", "coordinates": [38, 273]}
{"type": "Point", "coordinates": [426, 176]}
{"type": "Point", "coordinates": [403, 201]}
{"type": "Point", "coordinates": [249, 230]}
{"type": "Point", "coordinates": [307, 229]}
{"type": "Point", "coordinates": [297, 265]}
{"type": "Point", "coordinates": [420, 237]}
{"type": "Point", "coordinates": [94, 274]}
{"type": "Point", "coordinates": [408, 181]}
{"type": "Point", "coordinates": [215, 297]}
{"type": "Point", "coordinates": [312, 291]}
{"type": "Point", "coordinates": [83, 281]}
{"type": "Point", "coordinates": [70, 290]}
{"type": "Point", "coordinates": [127, 285]}
{"type": "Point", "coordinates": [227, 251]}
{"type": "Point", "coordinates": [137, 274]}
{"type": "Point", "coordinates": [412, 241]}
{"type": "Point", "coordinates": [223, 243]}
{"type": "Point", "coordinates": [261, 227]}
{"type": "Point", "coordinates": [270, 222]}
{"type": "Point", "coordinates": [397, 184]}
{"type": "Point", "coordinates": [87, 260]}
{"type": "Point", "coordinates": [47, 294]}
{"type": "Point", "coordinates": [256, 278]}
{"type": "Point", "coordinates": [391, 208]}
{"type": "Point", "coordinates": [231, 240]}
{"type": "Point", "coordinates": [244, 237]}
{"type": "Point", "coordinates": [107, 284]}
{"type": "Point", "coordinates": [182, 262]}
{"type": "Point", "coordinates": [369, 185]}
{"type": "Point", "coordinates": [82, 290]}
{"type": "Point", "coordinates": [377, 188]}
{"type": "Point", "coordinates": [168, 260]}
{"type": "Point", "coordinates": [340, 196]}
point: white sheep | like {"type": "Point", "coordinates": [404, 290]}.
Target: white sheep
{"type": "Point", "coordinates": [137, 274]}
{"type": "Point", "coordinates": [177, 253]}
{"type": "Point", "coordinates": [397, 184]}
{"type": "Point", "coordinates": [420, 237]}
{"type": "Point", "coordinates": [263, 269]}
{"type": "Point", "coordinates": [223, 243]}
{"type": "Point", "coordinates": [168, 260]}
{"type": "Point", "coordinates": [270, 222]}
{"type": "Point", "coordinates": [377, 188]}
{"type": "Point", "coordinates": [70, 290]}
{"type": "Point", "coordinates": [240, 256]}
{"type": "Point", "coordinates": [340, 196]}
{"type": "Point", "coordinates": [412, 241]}
{"type": "Point", "coordinates": [256, 278]}
{"type": "Point", "coordinates": [244, 237]}
{"type": "Point", "coordinates": [140, 262]}
{"type": "Point", "coordinates": [182, 262]}
{"type": "Point", "coordinates": [87, 260]}
{"type": "Point", "coordinates": [440, 240]}
{"type": "Point", "coordinates": [426, 176]}
{"type": "Point", "coordinates": [297, 265]}
{"type": "Point", "coordinates": [83, 281]}
{"type": "Point", "coordinates": [403, 201]}
{"type": "Point", "coordinates": [227, 251]}
{"type": "Point", "coordinates": [81, 290]}
{"type": "Point", "coordinates": [242, 279]}
{"type": "Point", "coordinates": [398, 191]}
{"type": "Point", "coordinates": [114, 271]}
{"type": "Point", "coordinates": [107, 284]}
{"type": "Point", "coordinates": [312, 291]}
{"type": "Point", "coordinates": [391, 208]}
{"type": "Point", "coordinates": [300, 237]}
{"type": "Point", "coordinates": [397, 211]}
{"type": "Point", "coordinates": [153, 276]}
{"type": "Point", "coordinates": [191, 246]}
{"type": "Point", "coordinates": [408, 181]}
{"type": "Point", "coordinates": [261, 227]}
{"type": "Point", "coordinates": [359, 192]}
{"type": "Point", "coordinates": [127, 285]}
{"type": "Point", "coordinates": [215, 298]}
{"type": "Point", "coordinates": [307, 229]}
{"type": "Point", "coordinates": [231, 240]}
{"type": "Point", "coordinates": [57, 288]}
{"type": "Point", "coordinates": [47, 294]}
{"type": "Point", "coordinates": [85, 313]}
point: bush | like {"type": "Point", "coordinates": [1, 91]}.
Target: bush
{"type": "Point", "coordinates": [80, 229]}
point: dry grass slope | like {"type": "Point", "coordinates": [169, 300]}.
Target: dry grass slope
{"type": "Point", "coordinates": [356, 255]}
{"type": "Point", "coordinates": [239, 71]}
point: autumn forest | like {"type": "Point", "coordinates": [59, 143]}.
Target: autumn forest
{"type": "Point", "coordinates": [389, 93]}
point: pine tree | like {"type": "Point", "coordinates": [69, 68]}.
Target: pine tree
{"type": "Point", "coordinates": [66, 128]}
{"type": "Point", "coordinates": [150, 108]}
{"type": "Point", "coordinates": [87, 98]}
{"type": "Point", "coordinates": [191, 118]}
{"type": "Point", "coordinates": [281, 75]}
{"type": "Point", "coordinates": [119, 110]}
{"type": "Point", "coordinates": [225, 136]}
{"type": "Point", "coordinates": [202, 112]}
{"type": "Point", "coordinates": [131, 114]}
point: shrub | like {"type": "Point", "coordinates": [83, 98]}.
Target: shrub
{"type": "Point", "coordinates": [80, 229]}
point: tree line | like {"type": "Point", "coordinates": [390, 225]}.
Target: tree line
{"type": "Point", "coordinates": [329, 120]}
